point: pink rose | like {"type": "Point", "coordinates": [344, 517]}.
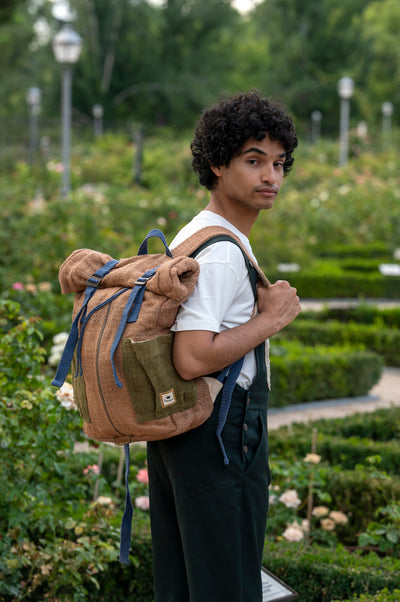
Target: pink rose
{"type": "Point", "coordinates": [143, 476]}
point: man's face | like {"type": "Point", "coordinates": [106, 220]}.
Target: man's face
{"type": "Point", "coordinates": [252, 180]}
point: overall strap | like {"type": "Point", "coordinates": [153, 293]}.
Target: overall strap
{"type": "Point", "coordinates": [230, 374]}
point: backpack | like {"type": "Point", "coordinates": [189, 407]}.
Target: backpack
{"type": "Point", "coordinates": [125, 385]}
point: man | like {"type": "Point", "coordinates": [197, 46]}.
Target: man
{"type": "Point", "coordinates": [209, 519]}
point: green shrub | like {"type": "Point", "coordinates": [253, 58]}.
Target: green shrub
{"type": "Point", "coordinates": [382, 596]}
{"type": "Point", "coordinates": [384, 532]}
{"type": "Point", "coordinates": [346, 452]}
{"type": "Point", "coordinates": [360, 265]}
{"type": "Point", "coordinates": [376, 250]}
{"type": "Point", "coordinates": [301, 373]}
{"type": "Point", "coordinates": [364, 313]}
{"type": "Point", "coordinates": [345, 284]}
{"type": "Point", "coordinates": [318, 574]}
{"type": "Point", "coordinates": [54, 541]}
{"type": "Point", "coordinates": [107, 212]}
{"type": "Point", "coordinates": [379, 425]}
{"type": "Point", "coordinates": [383, 341]}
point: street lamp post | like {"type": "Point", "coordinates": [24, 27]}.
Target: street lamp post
{"type": "Point", "coordinates": [33, 97]}
{"type": "Point", "coordinates": [387, 111]}
{"type": "Point", "coordinates": [345, 90]}
{"type": "Point", "coordinates": [316, 118]}
{"type": "Point", "coordinates": [66, 47]}
{"type": "Point", "coordinates": [97, 111]}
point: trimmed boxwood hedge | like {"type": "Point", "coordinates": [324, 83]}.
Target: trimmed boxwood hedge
{"type": "Point", "coordinates": [339, 451]}
{"type": "Point", "coordinates": [320, 574]}
{"type": "Point", "coordinates": [382, 596]}
{"type": "Point", "coordinates": [384, 341]}
{"type": "Point", "coordinates": [316, 573]}
{"type": "Point", "coordinates": [380, 425]}
{"type": "Point", "coordinates": [363, 313]}
{"type": "Point", "coordinates": [377, 249]}
{"type": "Point", "coordinates": [301, 374]}
{"type": "Point", "coordinates": [345, 284]}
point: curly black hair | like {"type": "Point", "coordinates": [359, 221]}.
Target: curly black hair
{"type": "Point", "coordinates": [224, 128]}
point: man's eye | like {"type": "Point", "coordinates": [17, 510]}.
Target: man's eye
{"type": "Point", "coordinates": [279, 164]}
{"type": "Point", "coordinates": [253, 161]}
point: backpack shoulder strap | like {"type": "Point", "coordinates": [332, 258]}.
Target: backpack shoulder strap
{"type": "Point", "coordinates": [253, 274]}
{"type": "Point", "coordinates": [207, 236]}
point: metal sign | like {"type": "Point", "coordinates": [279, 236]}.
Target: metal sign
{"type": "Point", "coordinates": [274, 589]}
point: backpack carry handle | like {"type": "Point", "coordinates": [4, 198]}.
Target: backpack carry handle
{"type": "Point", "coordinates": [155, 233]}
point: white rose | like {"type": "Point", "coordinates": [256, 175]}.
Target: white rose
{"type": "Point", "coordinates": [290, 498]}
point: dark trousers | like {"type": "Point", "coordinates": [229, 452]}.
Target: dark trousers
{"type": "Point", "coordinates": [208, 520]}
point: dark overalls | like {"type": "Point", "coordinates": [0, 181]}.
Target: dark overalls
{"type": "Point", "coordinates": [208, 520]}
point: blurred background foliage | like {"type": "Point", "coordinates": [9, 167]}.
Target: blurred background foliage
{"type": "Point", "coordinates": [160, 63]}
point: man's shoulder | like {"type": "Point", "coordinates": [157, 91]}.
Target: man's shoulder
{"type": "Point", "coordinates": [207, 219]}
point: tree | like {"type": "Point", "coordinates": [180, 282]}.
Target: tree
{"type": "Point", "coordinates": [154, 64]}
{"type": "Point", "coordinates": [6, 10]}
{"type": "Point", "coordinates": [311, 45]}
{"type": "Point", "coordinates": [381, 25]}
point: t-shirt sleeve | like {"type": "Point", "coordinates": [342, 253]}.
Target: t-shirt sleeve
{"type": "Point", "coordinates": [222, 269]}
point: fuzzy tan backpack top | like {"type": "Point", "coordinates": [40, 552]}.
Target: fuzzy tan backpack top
{"type": "Point", "coordinates": [125, 384]}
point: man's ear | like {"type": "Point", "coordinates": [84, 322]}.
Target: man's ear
{"type": "Point", "coordinates": [216, 170]}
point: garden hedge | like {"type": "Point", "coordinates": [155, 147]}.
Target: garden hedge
{"type": "Point", "coordinates": [316, 573]}
{"type": "Point", "coordinates": [344, 452]}
{"type": "Point", "coordinates": [380, 425]}
{"type": "Point", "coordinates": [382, 596]}
{"type": "Point", "coordinates": [320, 574]}
{"type": "Point", "coordinates": [377, 338]}
{"type": "Point", "coordinates": [364, 313]}
{"type": "Point", "coordinates": [301, 374]}
{"type": "Point", "coordinates": [377, 250]}
{"type": "Point", "coordinates": [345, 284]}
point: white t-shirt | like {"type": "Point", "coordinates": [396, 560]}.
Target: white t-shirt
{"type": "Point", "coordinates": [223, 297]}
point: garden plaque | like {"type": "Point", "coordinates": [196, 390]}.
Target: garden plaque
{"type": "Point", "coordinates": [274, 589]}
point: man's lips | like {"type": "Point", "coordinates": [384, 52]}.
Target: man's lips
{"type": "Point", "coordinates": [266, 191]}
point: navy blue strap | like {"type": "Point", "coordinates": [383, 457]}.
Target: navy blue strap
{"type": "Point", "coordinates": [126, 523]}
{"type": "Point", "coordinates": [232, 372]}
{"type": "Point", "coordinates": [84, 321]}
{"type": "Point", "coordinates": [135, 300]}
{"type": "Point", "coordinates": [154, 234]}
{"type": "Point", "coordinates": [68, 353]}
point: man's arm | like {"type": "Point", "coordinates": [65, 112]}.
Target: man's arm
{"type": "Point", "coordinates": [200, 352]}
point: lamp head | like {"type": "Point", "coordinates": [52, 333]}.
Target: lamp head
{"type": "Point", "coordinates": [67, 45]}
{"type": "Point", "coordinates": [345, 87]}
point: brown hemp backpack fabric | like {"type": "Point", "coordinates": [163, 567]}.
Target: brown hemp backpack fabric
{"type": "Point", "coordinates": [124, 381]}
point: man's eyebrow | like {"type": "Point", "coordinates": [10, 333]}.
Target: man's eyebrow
{"type": "Point", "coordinates": [254, 149]}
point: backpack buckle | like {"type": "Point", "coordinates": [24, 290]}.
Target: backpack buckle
{"type": "Point", "coordinates": [142, 280]}
{"type": "Point", "coordinates": [93, 281]}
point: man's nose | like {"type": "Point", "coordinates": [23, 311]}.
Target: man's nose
{"type": "Point", "coordinates": [268, 174]}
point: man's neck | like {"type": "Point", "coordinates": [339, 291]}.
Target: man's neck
{"type": "Point", "coordinates": [242, 220]}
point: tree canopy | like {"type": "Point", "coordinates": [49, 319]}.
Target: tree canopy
{"type": "Point", "coordinates": [162, 63]}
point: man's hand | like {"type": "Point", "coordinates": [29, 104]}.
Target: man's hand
{"type": "Point", "coordinates": [279, 303]}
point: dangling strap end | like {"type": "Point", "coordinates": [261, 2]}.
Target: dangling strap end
{"type": "Point", "coordinates": [222, 446]}
{"type": "Point", "coordinates": [126, 523]}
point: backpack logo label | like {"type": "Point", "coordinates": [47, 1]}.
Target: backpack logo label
{"type": "Point", "coordinates": [168, 398]}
